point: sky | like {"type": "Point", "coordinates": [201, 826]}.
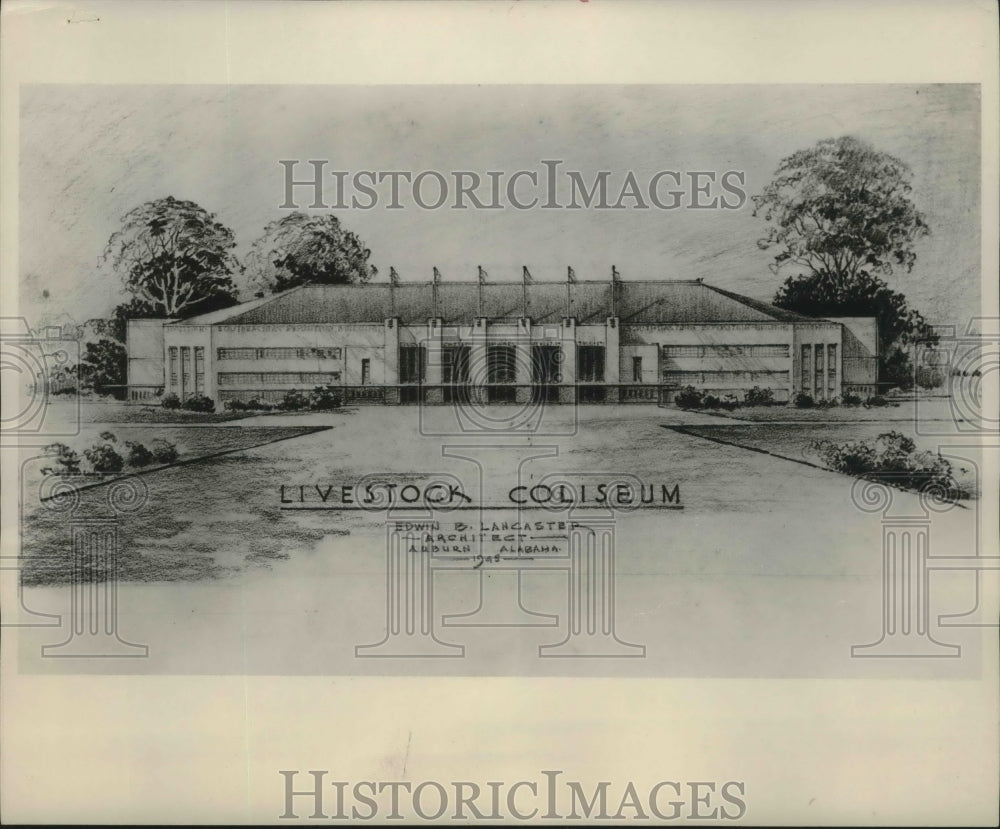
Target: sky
{"type": "Point", "coordinates": [89, 154]}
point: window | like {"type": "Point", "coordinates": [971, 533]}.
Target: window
{"type": "Point", "coordinates": [185, 371]}
{"type": "Point", "coordinates": [280, 353]}
{"type": "Point", "coordinates": [366, 371]}
{"type": "Point", "coordinates": [199, 369]}
{"type": "Point", "coordinates": [831, 352]}
{"type": "Point", "coordinates": [590, 363]}
{"type": "Point", "coordinates": [236, 353]}
{"type": "Point", "coordinates": [501, 363]}
{"type": "Point", "coordinates": [172, 359]}
{"type": "Point", "coordinates": [717, 377]}
{"type": "Point", "coordinates": [412, 360]}
{"type": "Point", "coordinates": [455, 363]}
{"type": "Point", "coordinates": [278, 378]}
{"type": "Point", "coordinates": [806, 366]}
{"type": "Point", "coordinates": [637, 369]}
{"type": "Point", "coordinates": [764, 350]}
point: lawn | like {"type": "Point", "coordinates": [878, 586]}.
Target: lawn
{"type": "Point", "coordinates": [768, 570]}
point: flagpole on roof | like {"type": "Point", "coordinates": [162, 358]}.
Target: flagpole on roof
{"type": "Point", "coordinates": [525, 280]}
{"type": "Point", "coordinates": [570, 280]}
{"type": "Point", "coordinates": [434, 291]}
{"type": "Point", "coordinates": [482, 281]}
{"type": "Point", "coordinates": [614, 289]}
{"type": "Point", "coordinates": [393, 282]}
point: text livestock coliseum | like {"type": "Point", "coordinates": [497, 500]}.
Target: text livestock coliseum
{"type": "Point", "coordinates": [447, 495]}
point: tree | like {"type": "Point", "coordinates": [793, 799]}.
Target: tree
{"type": "Point", "coordinates": [173, 256]}
{"type": "Point", "coordinates": [104, 365]}
{"type": "Point", "coordinates": [841, 212]}
{"type": "Point", "coordinates": [301, 249]}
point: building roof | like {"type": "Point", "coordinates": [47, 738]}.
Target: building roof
{"type": "Point", "coordinates": [634, 302]}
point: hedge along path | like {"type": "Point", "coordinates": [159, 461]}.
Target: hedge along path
{"type": "Point", "coordinates": [298, 432]}
{"type": "Point", "coordinates": [693, 432]}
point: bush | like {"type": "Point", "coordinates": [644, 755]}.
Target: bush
{"type": "Point", "coordinates": [163, 451]}
{"type": "Point", "coordinates": [730, 402]}
{"type": "Point", "coordinates": [828, 403]}
{"type": "Point", "coordinates": [199, 403]}
{"type": "Point", "coordinates": [804, 401]}
{"type": "Point", "coordinates": [138, 455]}
{"type": "Point", "coordinates": [851, 400]}
{"type": "Point", "coordinates": [235, 406]}
{"type": "Point", "coordinates": [325, 398]}
{"type": "Point", "coordinates": [103, 458]}
{"type": "Point", "coordinates": [170, 401]}
{"type": "Point", "coordinates": [294, 401]}
{"type": "Point", "coordinates": [929, 377]}
{"type": "Point", "coordinates": [261, 405]}
{"type": "Point", "coordinates": [690, 398]}
{"type": "Point", "coordinates": [759, 397]}
{"type": "Point", "coordinates": [67, 462]}
{"type": "Point", "coordinates": [876, 401]}
{"type": "Point", "coordinates": [712, 402]}
{"type": "Point", "coordinates": [891, 458]}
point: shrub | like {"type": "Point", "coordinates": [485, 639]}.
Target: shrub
{"type": "Point", "coordinates": [170, 401]}
{"type": "Point", "coordinates": [138, 455]}
{"type": "Point", "coordinates": [929, 377]}
{"type": "Point", "coordinates": [892, 458]}
{"type": "Point", "coordinates": [712, 402]}
{"type": "Point", "coordinates": [730, 402]}
{"type": "Point", "coordinates": [828, 403]}
{"type": "Point", "coordinates": [876, 401]}
{"type": "Point", "coordinates": [261, 405]}
{"type": "Point", "coordinates": [689, 398]}
{"type": "Point", "coordinates": [325, 398]}
{"type": "Point", "coordinates": [163, 451]}
{"type": "Point", "coordinates": [851, 400]}
{"type": "Point", "coordinates": [199, 403]}
{"type": "Point", "coordinates": [294, 401]}
{"type": "Point", "coordinates": [759, 397]}
{"type": "Point", "coordinates": [235, 406]}
{"type": "Point", "coordinates": [804, 401]}
{"type": "Point", "coordinates": [67, 462]}
{"type": "Point", "coordinates": [103, 458]}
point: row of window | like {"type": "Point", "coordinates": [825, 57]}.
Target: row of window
{"type": "Point", "coordinates": [770, 350]}
{"type": "Point", "coordinates": [278, 378]}
{"type": "Point", "coordinates": [692, 377]}
{"type": "Point", "coordinates": [281, 353]}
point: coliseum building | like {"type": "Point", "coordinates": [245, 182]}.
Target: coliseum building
{"type": "Point", "coordinates": [587, 342]}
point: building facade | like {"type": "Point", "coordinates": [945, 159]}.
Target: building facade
{"type": "Point", "coordinates": [587, 342]}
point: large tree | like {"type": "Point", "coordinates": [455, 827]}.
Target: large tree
{"type": "Point", "coordinates": [301, 248]}
{"type": "Point", "coordinates": [174, 258]}
{"type": "Point", "coordinates": [840, 213]}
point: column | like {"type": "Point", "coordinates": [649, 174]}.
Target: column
{"type": "Point", "coordinates": [612, 360]}
{"type": "Point", "coordinates": [591, 606]}
{"type": "Point", "coordinates": [478, 373]}
{"type": "Point", "coordinates": [93, 616]}
{"type": "Point", "coordinates": [567, 366]}
{"type": "Point", "coordinates": [433, 391]}
{"type": "Point", "coordinates": [409, 604]}
{"type": "Point", "coordinates": [391, 345]}
{"type": "Point", "coordinates": [906, 618]}
{"type": "Point", "coordinates": [522, 364]}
